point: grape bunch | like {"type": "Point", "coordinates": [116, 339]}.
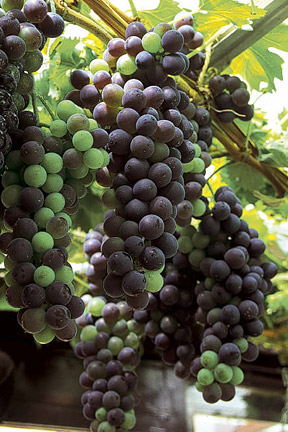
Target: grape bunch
{"type": "Point", "coordinates": [231, 97]}
{"type": "Point", "coordinates": [111, 349]}
{"type": "Point", "coordinates": [23, 34]}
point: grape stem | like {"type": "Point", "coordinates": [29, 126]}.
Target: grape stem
{"type": "Point", "coordinates": [52, 5]}
{"type": "Point", "coordinates": [34, 105]}
{"type": "Point", "coordinates": [133, 9]}
{"type": "Point", "coordinates": [227, 110]}
{"type": "Point", "coordinates": [211, 190]}
{"type": "Point", "coordinates": [45, 125]}
{"type": "Point", "coordinates": [208, 53]}
{"type": "Point", "coordinates": [219, 169]}
{"type": "Point", "coordinates": [46, 106]}
{"type": "Point", "coordinates": [253, 8]}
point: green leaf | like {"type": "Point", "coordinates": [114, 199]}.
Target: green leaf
{"type": "Point", "coordinates": [275, 154]}
{"type": "Point", "coordinates": [90, 213]}
{"type": "Point", "coordinates": [165, 12]}
{"type": "Point", "coordinates": [214, 14]}
{"type": "Point", "coordinates": [264, 65]}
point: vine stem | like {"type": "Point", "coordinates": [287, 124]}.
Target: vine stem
{"type": "Point", "coordinates": [52, 5]}
{"type": "Point", "coordinates": [45, 125]}
{"type": "Point", "coordinates": [219, 169]}
{"type": "Point", "coordinates": [46, 106]}
{"type": "Point", "coordinates": [227, 110]}
{"type": "Point", "coordinates": [211, 190]}
{"type": "Point", "coordinates": [133, 9]}
{"type": "Point", "coordinates": [208, 53]}
{"type": "Point", "coordinates": [33, 99]}
{"type": "Point", "coordinates": [77, 18]}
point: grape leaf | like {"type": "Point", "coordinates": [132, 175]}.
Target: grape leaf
{"type": "Point", "coordinates": [264, 65]}
{"type": "Point", "coordinates": [165, 12]}
{"type": "Point", "coordinates": [214, 14]}
{"type": "Point", "coordinates": [275, 154]}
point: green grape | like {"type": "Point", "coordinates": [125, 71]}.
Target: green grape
{"type": "Point", "coordinates": [58, 128]}
{"type": "Point", "coordinates": [35, 175]}
{"type": "Point", "coordinates": [14, 4]}
{"type": "Point", "coordinates": [18, 100]}
{"type": "Point", "coordinates": [33, 61]}
{"type": "Point", "coordinates": [106, 158]}
{"type": "Point", "coordinates": [134, 326]}
{"type": "Point", "coordinates": [10, 178]}
{"type": "Point", "coordinates": [10, 195]}
{"type": "Point", "coordinates": [97, 65]}
{"type": "Point", "coordinates": [58, 227]}
{"type": "Point", "coordinates": [52, 162]}
{"type": "Point", "coordinates": [101, 414]}
{"type": "Point", "coordinates": [106, 427]}
{"type": "Point", "coordinates": [154, 281]}
{"type": "Point", "coordinates": [238, 375]}
{"type": "Point", "coordinates": [44, 276]}
{"type": "Point", "coordinates": [13, 160]}
{"type": "Point", "coordinates": [65, 274]}
{"type": "Point", "coordinates": [185, 244]}
{"type": "Point", "coordinates": [92, 124]}
{"type": "Point", "coordinates": [242, 344]}
{"type": "Point", "coordinates": [199, 166]}
{"type": "Point", "coordinates": [132, 341]}
{"type": "Point", "coordinates": [65, 216]}
{"type": "Point", "coordinates": [235, 301]}
{"type": "Point", "coordinates": [223, 373]}
{"type": "Point", "coordinates": [129, 422]}
{"type": "Point", "coordinates": [199, 208]}
{"type": "Point", "coordinates": [209, 283]}
{"type": "Point", "coordinates": [126, 65]}
{"type": "Point", "coordinates": [80, 172]}
{"type": "Point", "coordinates": [95, 306]}
{"type": "Point", "coordinates": [42, 216]}
{"type": "Point", "coordinates": [162, 28]}
{"type": "Point", "coordinates": [188, 167]}
{"type": "Point", "coordinates": [8, 279]}
{"type": "Point", "coordinates": [72, 288]}
{"type": "Point", "coordinates": [88, 179]}
{"type": "Point", "coordinates": [200, 240]}
{"type": "Point", "coordinates": [77, 122]}
{"type": "Point", "coordinates": [112, 94]}
{"type": "Point", "coordinates": [209, 359]}
{"type": "Point", "coordinates": [195, 257]}
{"type": "Point", "coordinates": [93, 158]}
{"type": "Point", "coordinates": [55, 201]}
{"type": "Point", "coordinates": [54, 183]}
{"type": "Point", "coordinates": [8, 264]}
{"type": "Point", "coordinates": [88, 333]}
{"type": "Point", "coordinates": [42, 242]}
{"type": "Point", "coordinates": [197, 150]}
{"type": "Point", "coordinates": [188, 231]}
{"type": "Point", "coordinates": [161, 152]}
{"type": "Point", "coordinates": [115, 344]}
{"type": "Point", "coordinates": [205, 377]}
{"type": "Point", "coordinates": [65, 109]}
{"type": "Point", "coordinates": [120, 328]}
{"type": "Point", "coordinates": [45, 336]}
{"type": "Point", "coordinates": [199, 387]}
{"type": "Point", "coordinates": [82, 140]}
{"type": "Point", "coordinates": [33, 320]}
{"type": "Point", "coordinates": [151, 42]}
{"type": "Point", "coordinates": [109, 199]}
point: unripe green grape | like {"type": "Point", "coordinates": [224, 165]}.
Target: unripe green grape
{"type": "Point", "coordinates": [82, 140]}
{"type": "Point", "coordinates": [154, 281]}
{"type": "Point", "coordinates": [14, 4]}
{"type": "Point", "coordinates": [45, 336]}
{"type": "Point", "coordinates": [44, 276]}
{"type": "Point", "coordinates": [52, 162]}
{"type": "Point", "coordinates": [80, 172]}
{"type": "Point", "coordinates": [197, 150]}
{"type": "Point", "coordinates": [238, 375]}
{"type": "Point", "coordinates": [42, 242]}
{"type": "Point", "coordinates": [134, 327]}
{"type": "Point", "coordinates": [209, 359]}
{"type": "Point", "coordinates": [54, 183]}
{"type": "Point", "coordinates": [195, 257]}
{"type": "Point", "coordinates": [126, 64]}
{"type": "Point", "coordinates": [115, 344]}
{"type": "Point", "coordinates": [42, 216]}
{"type": "Point", "coordinates": [106, 158]}
{"type": "Point", "coordinates": [101, 414]}
{"type": "Point", "coordinates": [33, 61]}
{"type": "Point", "coordinates": [105, 426]}
{"type": "Point", "coordinates": [95, 306]}
{"type": "Point", "coordinates": [242, 344]}
{"type": "Point", "coordinates": [35, 175]}
{"type": "Point", "coordinates": [161, 152]}
{"type": "Point", "coordinates": [223, 373]}
{"type": "Point", "coordinates": [209, 283]}
{"type": "Point", "coordinates": [65, 109]}
{"type": "Point", "coordinates": [93, 158]}
{"type": "Point", "coordinates": [19, 101]}
{"type": "Point", "coordinates": [200, 240]}
{"type": "Point", "coordinates": [88, 333]}
{"type": "Point", "coordinates": [199, 387]}
{"type": "Point", "coordinates": [10, 195]}
{"type": "Point", "coordinates": [65, 216]}
{"type": "Point", "coordinates": [58, 128]}
{"type": "Point", "coordinates": [14, 161]}
{"type": "Point", "coordinates": [198, 167]}
{"type": "Point", "coordinates": [112, 94]}
{"type": "Point", "coordinates": [8, 279]}
{"type": "Point", "coordinates": [199, 208]}
{"type": "Point", "coordinates": [57, 227]}
{"type": "Point", "coordinates": [185, 244]}
{"type": "Point", "coordinates": [97, 65]}
{"type": "Point", "coordinates": [162, 28]}
{"type": "Point", "coordinates": [205, 377]}
{"type": "Point", "coordinates": [120, 328]}
{"type": "Point", "coordinates": [55, 201]}
{"type": "Point", "coordinates": [132, 341]}
{"type": "Point", "coordinates": [65, 274]}
{"type": "Point", "coordinates": [188, 167]}
{"type": "Point", "coordinates": [109, 199]}
{"type": "Point", "coordinates": [8, 264]}
{"type": "Point", "coordinates": [77, 122]}
{"type": "Point", "coordinates": [92, 124]}
{"type": "Point", "coordinates": [151, 42]}
{"type": "Point", "coordinates": [129, 422]}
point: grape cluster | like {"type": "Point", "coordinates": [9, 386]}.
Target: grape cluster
{"type": "Point", "coordinates": [231, 97]}
{"type": "Point", "coordinates": [23, 34]}
{"type": "Point", "coordinates": [111, 349]}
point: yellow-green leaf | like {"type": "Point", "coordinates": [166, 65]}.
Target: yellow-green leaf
{"type": "Point", "coordinates": [165, 12]}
